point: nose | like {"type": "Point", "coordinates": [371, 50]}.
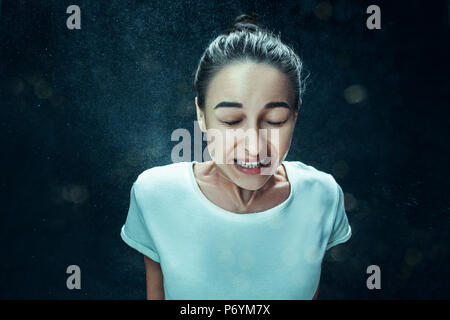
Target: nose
{"type": "Point", "coordinates": [251, 142]}
{"type": "Point", "coordinates": [252, 145]}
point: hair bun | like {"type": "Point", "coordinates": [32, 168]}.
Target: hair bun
{"type": "Point", "coordinates": [245, 22]}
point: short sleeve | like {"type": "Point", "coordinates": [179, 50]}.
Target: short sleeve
{"type": "Point", "coordinates": [135, 231]}
{"type": "Point", "coordinates": [341, 231]}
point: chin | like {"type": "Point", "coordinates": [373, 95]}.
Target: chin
{"type": "Point", "coordinates": [251, 183]}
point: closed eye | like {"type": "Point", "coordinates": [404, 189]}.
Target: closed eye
{"type": "Point", "coordinates": [273, 123]}
{"type": "Point", "coordinates": [230, 123]}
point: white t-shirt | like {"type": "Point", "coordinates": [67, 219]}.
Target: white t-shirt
{"type": "Point", "coordinates": [207, 252]}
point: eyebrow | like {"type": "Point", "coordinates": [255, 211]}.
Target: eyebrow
{"type": "Point", "coordinates": [228, 104]}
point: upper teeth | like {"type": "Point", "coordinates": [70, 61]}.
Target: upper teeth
{"type": "Point", "coordinates": [253, 164]}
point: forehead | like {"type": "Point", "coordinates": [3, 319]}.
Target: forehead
{"type": "Point", "coordinates": [250, 84]}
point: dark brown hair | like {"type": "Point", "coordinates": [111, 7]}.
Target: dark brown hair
{"type": "Point", "coordinates": [247, 40]}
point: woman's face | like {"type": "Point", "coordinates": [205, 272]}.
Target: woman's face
{"type": "Point", "coordinates": [248, 118]}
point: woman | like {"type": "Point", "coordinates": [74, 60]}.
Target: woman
{"type": "Point", "coordinates": [247, 224]}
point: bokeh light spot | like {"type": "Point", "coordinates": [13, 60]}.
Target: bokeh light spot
{"type": "Point", "coordinates": [42, 90]}
{"type": "Point", "coordinates": [413, 256]}
{"type": "Point", "coordinates": [323, 10]}
{"type": "Point", "coordinates": [17, 86]}
{"type": "Point", "coordinates": [355, 94]}
{"type": "Point", "coordinates": [73, 193]}
{"type": "Point", "coordinates": [340, 169]}
{"type": "Point", "coordinates": [350, 202]}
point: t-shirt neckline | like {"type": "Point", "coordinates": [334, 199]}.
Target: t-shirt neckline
{"type": "Point", "coordinates": [271, 212]}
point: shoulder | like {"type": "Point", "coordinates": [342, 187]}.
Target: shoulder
{"type": "Point", "coordinates": [309, 174]}
{"type": "Point", "coordinates": [160, 178]}
{"type": "Point", "coordinates": [314, 181]}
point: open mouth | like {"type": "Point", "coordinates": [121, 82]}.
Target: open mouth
{"type": "Point", "coordinates": [252, 165]}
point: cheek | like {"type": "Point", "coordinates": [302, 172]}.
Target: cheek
{"type": "Point", "coordinates": [280, 139]}
{"type": "Point", "coordinates": [220, 145]}
{"type": "Point", "coordinates": [278, 148]}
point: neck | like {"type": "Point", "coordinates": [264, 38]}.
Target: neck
{"type": "Point", "coordinates": [243, 197]}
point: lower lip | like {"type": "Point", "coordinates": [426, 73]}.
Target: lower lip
{"type": "Point", "coordinates": [245, 170]}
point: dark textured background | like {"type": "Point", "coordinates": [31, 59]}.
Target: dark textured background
{"type": "Point", "coordinates": [83, 112]}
